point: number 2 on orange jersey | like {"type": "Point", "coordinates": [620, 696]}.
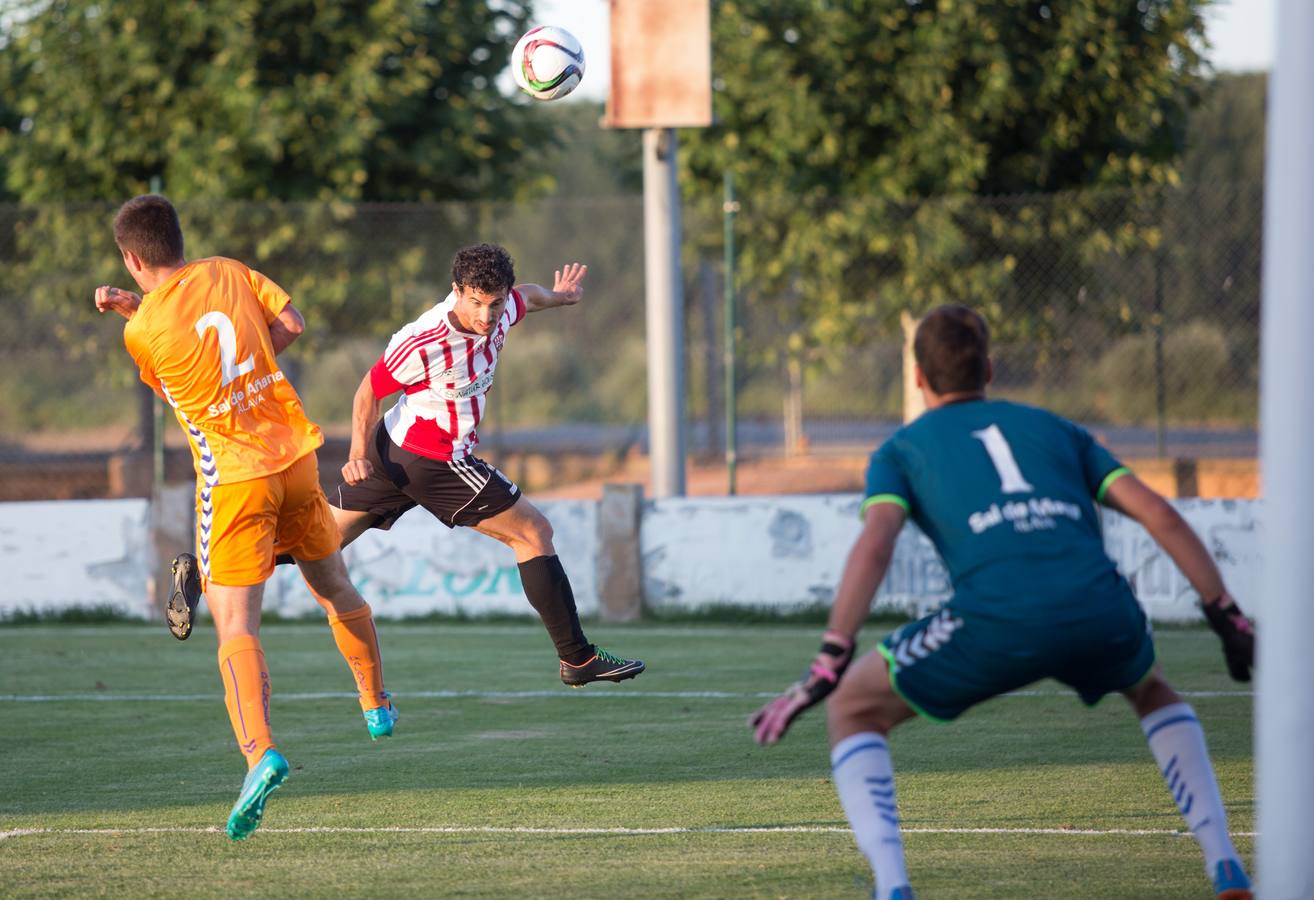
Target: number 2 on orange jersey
{"type": "Point", "coordinates": [229, 367]}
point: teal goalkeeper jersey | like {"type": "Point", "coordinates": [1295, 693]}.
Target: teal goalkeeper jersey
{"type": "Point", "coordinates": [1007, 494]}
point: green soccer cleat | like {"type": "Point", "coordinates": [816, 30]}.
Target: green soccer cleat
{"type": "Point", "coordinates": [603, 666]}
{"type": "Point", "coordinates": [263, 779]}
{"type": "Point", "coordinates": [181, 607]}
{"type": "Point", "coordinates": [381, 719]}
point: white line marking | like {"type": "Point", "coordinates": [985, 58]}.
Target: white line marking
{"type": "Point", "coordinates": [400, 695]}
{"type": "Point", "coordinates": [497, 629]}
{"type": "Point", "coordinates": [1179, 693]}
{"type": "Point", "coordinates": [604, 694]}
{"type": "Point", "coordinates": [729, 829]}
{"type": "Point", "coordinates": [503, 628]}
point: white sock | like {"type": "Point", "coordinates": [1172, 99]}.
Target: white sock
{"type": "Point", "coordinates": [1178, 744]}
{"type": "Point", "coordinates": [864, 779]}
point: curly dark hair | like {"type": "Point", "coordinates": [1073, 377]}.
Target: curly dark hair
{"type": "Point", "coordinates": [484, 267]}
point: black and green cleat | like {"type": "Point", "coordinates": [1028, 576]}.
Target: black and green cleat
{"type": "Point", "coordinates": [181, 607]}
{"type": "Point", "coordinates": [603, 666]}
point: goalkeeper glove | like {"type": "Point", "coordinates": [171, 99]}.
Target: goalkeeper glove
{"type": "Point", "coordinates": [1237, 634]}
{"type": "Point", "coordinates": [770, 723]}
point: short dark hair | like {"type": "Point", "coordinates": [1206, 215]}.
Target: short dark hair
{"type": "Point", "coordinates": [952, 348]}
{"type": "Point", "coordinates": [148, 226]}
{"type": "Point", "coordinates": [484, 267]}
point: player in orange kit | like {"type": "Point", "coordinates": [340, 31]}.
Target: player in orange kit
{"type": "Point", "coordinates": [204, 335]}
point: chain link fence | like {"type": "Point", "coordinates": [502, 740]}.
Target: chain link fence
{"type": "Point", "coordinates": [1136, 313]}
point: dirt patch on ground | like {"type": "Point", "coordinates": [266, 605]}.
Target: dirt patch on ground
{"type": "Point", "coordinates": [825, 474]}
{"type": "Point", "coordinates": [772, 475]}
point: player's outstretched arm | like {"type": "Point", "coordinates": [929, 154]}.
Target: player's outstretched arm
{"type": "Point", "coordinates": [364, 413]}
{"type": "Point", "coordinates": [114, 299]}
{"type": "Point", "coordinates": [286, 328]}
{"type": "Point", "coordinates": [567, 289]}
{"type": "Point", "coordinates": [1132, 497]}
{"type": "Point", "coordinates": [863, 571]}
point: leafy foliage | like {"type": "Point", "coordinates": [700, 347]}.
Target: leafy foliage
{"type": "Point", "coordinates": [289, 99]}
{"type": "Point", "coordinates": [272, 124]}
{"type": "Point", "coordinates": [1225, 134]}
{"type": "Point", "coordinates": [838, 119]}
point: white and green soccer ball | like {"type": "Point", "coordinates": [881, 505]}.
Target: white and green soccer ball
{"type": "Point", "coordinates": [547, 63]}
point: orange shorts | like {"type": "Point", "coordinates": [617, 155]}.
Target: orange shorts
{"type": "Point", "coordinates": [246, 523]}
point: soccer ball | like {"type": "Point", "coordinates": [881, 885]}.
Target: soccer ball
{"type": "Point", "coordinates": [547, 63]}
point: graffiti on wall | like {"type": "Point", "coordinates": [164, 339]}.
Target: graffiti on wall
{"type": "Point", "coordinates": [420, 566]}
{"type": "Point", "coordinates": [1230, 530]}
{"type": "Point", "coordinates": [697, 551]}
{"type": "Point", "coordinates": [775, 552]}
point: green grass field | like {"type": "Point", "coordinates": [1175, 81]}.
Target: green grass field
{"type": "Point", "coordinates": [120, 767]}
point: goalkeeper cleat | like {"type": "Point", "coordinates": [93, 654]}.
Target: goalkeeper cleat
{"type": "Point", "coordinates": [263, 779]}
{"type": "Point", "coordinates": [181, 607]}
{"type": "Point", "coordinates": [601, 667]}
{"type": "Point", "coordinates": [1230, 881]}
{"type": "Point", "coordinates": [903, 892]}
{"type": "Point", "coordinates": [381, 719]}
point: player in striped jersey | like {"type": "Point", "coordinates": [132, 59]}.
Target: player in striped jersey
{"type": "Point", "coordinates": [205, 336]}
{"type": "Point", "coordinates": [422, 452]}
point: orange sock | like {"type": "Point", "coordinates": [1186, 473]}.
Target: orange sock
{"type": "Point", "coordinates": [246, 693]}
{"type": "Point", "coordinates": [359, 645]}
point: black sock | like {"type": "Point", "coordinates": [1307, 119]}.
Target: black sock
{"type": "Point", "coordinates": [284, 559]}
{"type": "Point", "coordinates": [548, 590]}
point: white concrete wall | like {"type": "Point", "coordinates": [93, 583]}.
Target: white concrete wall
{"type": "Point", "coordinates": [779, 552]}
{"type": "Point", "coordinates": [75, 553]}
{"type": "Point", "coordinates": [422, 566]}
{"type": "Point", "coordinates": [788, 551]}
{"type": "Point", "coordinates": [1231, 531]}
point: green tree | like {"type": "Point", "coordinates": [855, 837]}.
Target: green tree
{"type": "Point", "coordinates": [1219, 232]}
{"type": "Point", "coordinates": [1225, 134]}
{"type": "Point", "coordinates": [840, 119]}
{"type": "Point", "coordinates": [1215, 228]}
{"type": "Point", "coordinates": [270, 123]}
{"type": "Point", "coordinates": [589, 160]}
{"type": "Point", "coordinates": [285, 99]}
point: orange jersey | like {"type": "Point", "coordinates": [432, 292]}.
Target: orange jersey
{"type": "Point", "coordinates": [202, 342]}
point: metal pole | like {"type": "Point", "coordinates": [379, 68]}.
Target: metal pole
{"type": "Point", "coordinates": [665, 312]}
{"type": "Point", "coordinates": [157, 407]}
{"type": "Point", "coordinates": [1160, 388]}
{"type": "Point", "coordinates": [1284, 703]}
{"type": "Point", "coordinates": [157, 480]}
{"type": "Point", "coordinates": [730, 207]}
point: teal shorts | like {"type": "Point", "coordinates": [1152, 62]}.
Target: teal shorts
{"type": "Point", "coordinates": [961, 655]}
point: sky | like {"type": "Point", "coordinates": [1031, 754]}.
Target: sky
{"type": "Point", "coordinates": [1242, 33]}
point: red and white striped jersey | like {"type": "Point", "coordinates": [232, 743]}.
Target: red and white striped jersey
{"type": "Point", "coordinates": [444, 375]}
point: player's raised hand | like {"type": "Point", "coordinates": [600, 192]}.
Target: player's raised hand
{"type": "Point", "coordinates": [770, 723]}
{"type": "Point", "coordinates": [1237, 634]}
{"type": "Point", "coordinates": [123, 302]}
{"type": "Point", "coordinates": [568, 283]}
{"type": "Point", "coordinates": [357, 470]}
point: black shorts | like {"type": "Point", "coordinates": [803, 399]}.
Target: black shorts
{"type": "Point", "coordinates": [458, 492]}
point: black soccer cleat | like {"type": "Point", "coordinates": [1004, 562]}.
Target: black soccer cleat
{"type": "Point", "coordinates": [186, 595]}
{"type": "Point", "coordinates": [601, 667]}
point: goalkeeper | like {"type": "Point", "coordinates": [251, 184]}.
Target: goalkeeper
{"type": "Point", "coordinates": [1007, 494]}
